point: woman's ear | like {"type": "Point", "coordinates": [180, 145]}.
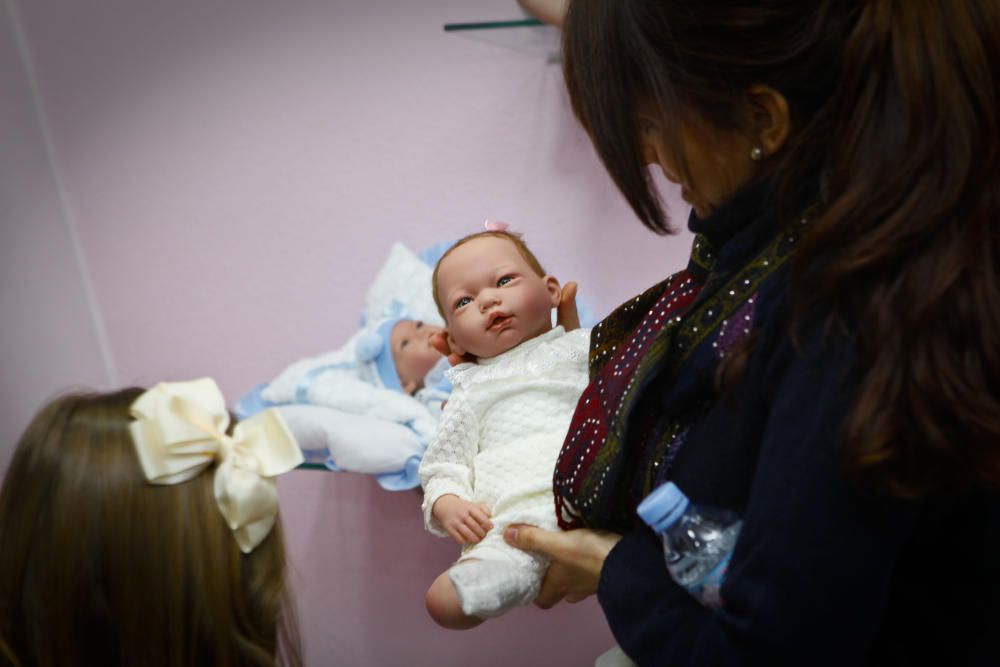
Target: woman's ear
{"type": "Point", "coordinates": [648, 137]}
{"type": "Point", "coordinates": [554, 290]}
{"type": "Point", "coordinates": [649, 152]}
{"type": "Point", "coordinates": [769, 117]}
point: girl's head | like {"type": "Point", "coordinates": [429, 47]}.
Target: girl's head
{"type": "Point", "coordinates": [493, 294]}
{"type": "Point", "coordinates": [99, 566]}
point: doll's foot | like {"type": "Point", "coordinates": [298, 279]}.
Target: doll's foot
{"type": "Point", "coordinates": [488, 588]}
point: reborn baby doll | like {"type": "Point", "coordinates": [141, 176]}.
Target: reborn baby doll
{"type": "Point", "coordinates": [491, 461]}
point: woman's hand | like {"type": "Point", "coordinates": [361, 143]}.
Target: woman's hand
{"type": "Point", "coordinates": [577, 558]}
{"type": "Point", "coordinates": [466, 521]}
{"type": "Point", "coordinates": [550, 11]}
{"type": "Point", "coordinates": [566, 316]}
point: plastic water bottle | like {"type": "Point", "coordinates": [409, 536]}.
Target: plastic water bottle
{"type": "Point", "coordinates": [697, 541]}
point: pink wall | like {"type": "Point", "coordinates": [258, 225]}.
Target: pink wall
{"type": "Point", "coordinates": [49, 329]}
{"type": "Point", "coordinates": [235, 172]}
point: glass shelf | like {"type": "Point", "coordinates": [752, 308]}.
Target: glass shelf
{"type": "Point", "coordinates": [524, 35]}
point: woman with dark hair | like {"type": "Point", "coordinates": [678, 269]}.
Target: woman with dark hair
{"type": "Point", "coordinates": [827, 364]}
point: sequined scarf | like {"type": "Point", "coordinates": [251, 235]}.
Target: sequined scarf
{"type": "Point", "coordinates": [674, 334]}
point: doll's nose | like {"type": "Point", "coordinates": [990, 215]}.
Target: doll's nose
{"type": "Point", "coordinates": [487, 300]}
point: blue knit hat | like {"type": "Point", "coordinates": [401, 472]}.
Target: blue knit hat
{"type": "Point", "coordinates": [375, 355]}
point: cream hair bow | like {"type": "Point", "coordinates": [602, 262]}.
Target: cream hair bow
{"type": "Point", "coordinates": [180, 429]}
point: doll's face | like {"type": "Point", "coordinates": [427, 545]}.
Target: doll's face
{"type": "Point", "coordinates": [492, 299]}
{"type": "Point", "coordinates": [412, 352]}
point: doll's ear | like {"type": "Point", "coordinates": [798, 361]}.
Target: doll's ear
{"type": "Point", "coordinates": [555, 292]}
{"type": "Point", "coordinates": [456, 349]}
{"type": "Point", "coordinates": [439, 341]}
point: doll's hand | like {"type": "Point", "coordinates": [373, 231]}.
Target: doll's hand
{"type": "Point", "coordinates": [467, 522]}
{"type": "Point", "coordinates": [566, 315]}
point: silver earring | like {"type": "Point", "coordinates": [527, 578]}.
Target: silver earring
{"type": "Point", "coordinates": [756, 153]}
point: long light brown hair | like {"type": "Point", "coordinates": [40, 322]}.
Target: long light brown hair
{"type": "Point", "coordinates": [895, 122]}
{"type": "Point", "coordinates": [99, 567]}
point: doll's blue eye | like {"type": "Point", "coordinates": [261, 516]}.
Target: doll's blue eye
{"type": "Point", "coordinates": [461, 302]}
{"type": "Point", "coordinates": [503, 281]}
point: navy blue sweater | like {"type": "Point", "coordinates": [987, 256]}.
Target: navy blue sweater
{"type": "Point", "coordinates": [823, 573]}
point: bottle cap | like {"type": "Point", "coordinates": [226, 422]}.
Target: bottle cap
{"type": "Point", "coordinates": [663, 507]}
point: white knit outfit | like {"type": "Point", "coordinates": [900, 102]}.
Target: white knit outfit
{"type": "Point", "coordinates": [497, 443]}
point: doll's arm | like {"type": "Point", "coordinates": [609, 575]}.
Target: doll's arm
{"type": "Point", "coordinates": [446, 468]}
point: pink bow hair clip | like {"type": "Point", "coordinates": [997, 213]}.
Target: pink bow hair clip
{"type": "Point", "coordinates": [495, 225]}
{"type": "Point", "coordinates": [500, 226]}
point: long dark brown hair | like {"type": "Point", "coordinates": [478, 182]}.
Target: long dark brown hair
{"type": "Point", "coordinates": [894, 108]}
{"type": "Point", "coordinates": [98, 567]}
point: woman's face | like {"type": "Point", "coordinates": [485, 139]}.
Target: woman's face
{"type": "Point", "coordinates": [718, 161]}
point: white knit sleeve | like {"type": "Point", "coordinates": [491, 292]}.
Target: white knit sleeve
{"type": "Point", "coordinates": [447, 463]}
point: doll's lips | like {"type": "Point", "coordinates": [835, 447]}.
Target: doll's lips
{"type": "Point", "coordinates": [497, 321]}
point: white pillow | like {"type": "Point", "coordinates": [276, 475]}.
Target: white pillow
{"type": "Point", "coordinates": [402, 288]}
{"type": "Point", "coordinates": [355, 443]}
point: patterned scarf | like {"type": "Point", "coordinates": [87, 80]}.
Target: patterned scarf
{"type": "Point", "coordinates": [674, 334]}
